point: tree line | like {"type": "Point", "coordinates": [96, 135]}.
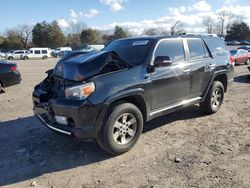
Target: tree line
{"type": "Point", "coordinates": [44, 34]}
{"type": "Point", "coordinates": [50, 35]}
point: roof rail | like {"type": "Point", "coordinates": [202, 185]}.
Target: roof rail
{"type": "Point", "coordinates": [200, 34]}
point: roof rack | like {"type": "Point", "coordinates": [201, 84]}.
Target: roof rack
{"type": "Point", "coordinates": [200, 34]}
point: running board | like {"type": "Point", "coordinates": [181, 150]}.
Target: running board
{"type": "Point", "coordinates": [179, 104]}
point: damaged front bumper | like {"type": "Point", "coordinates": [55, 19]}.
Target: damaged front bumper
{"type": "Point", "coordinates": [80, 116]}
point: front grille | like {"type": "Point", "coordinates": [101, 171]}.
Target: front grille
{"type": "Point", "coordinates": [58, 88]}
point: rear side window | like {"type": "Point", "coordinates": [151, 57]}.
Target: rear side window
{"type": "Point", "coordinates": [196, 49]}
{"type": "Point", "coordinates": [216, 46]}
{"type": "Point", "coordinates": [172, 48]}
{"type": "Point", "coordinates": [44, 51]}
{"type": "Point", "coordinates": [37, 52]}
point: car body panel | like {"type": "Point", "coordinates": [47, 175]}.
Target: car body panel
{"type": "Point", "coordinates": [162, 89]}
{"type": "Point", "coordinates": [9, 77]}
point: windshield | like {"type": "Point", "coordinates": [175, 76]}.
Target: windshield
{"type": "Point", "coordinates": [131, 51]}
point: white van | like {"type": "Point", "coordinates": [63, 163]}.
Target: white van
{"type": "Point", "coordinates": [37, 53]}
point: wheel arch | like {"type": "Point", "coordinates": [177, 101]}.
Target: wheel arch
{"type": "Point", "coordinates": [218, 76]}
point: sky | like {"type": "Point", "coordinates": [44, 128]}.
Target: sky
{"type": "Point", "coordinates": [134, 15]}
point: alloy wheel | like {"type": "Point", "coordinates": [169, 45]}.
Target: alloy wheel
{"type": "Point", "coordinates": [216, 98]}
{"type": "Point", "coordinates": [125, 128]}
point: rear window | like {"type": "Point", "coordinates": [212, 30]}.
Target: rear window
{"type": "Point", "coordinates": [44, 52]}
{"type": "Point", "coordinates": [196, 49]}
{"type": "Point", "coordinates": [216, 46]}
{"type": "Point", "coordinates": [233, 52]}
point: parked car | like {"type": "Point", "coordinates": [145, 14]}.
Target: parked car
{"type": "Point", "coordinates": [15, 54]}
{"type": "Point", "coordinates": [58, 51]}
{"type": "Point", "coordinates": [240, 56]}
{"type": "Point", "coordinates": [91, 48]}
{"type": "Point", "coordinates": [110, 95]}
{"type": "Point", "coordinates": [62, 53]}
{"type": "Point", "coordinates": [37, 53]}
{"type": "Point", "coordinates": [9, 74]}
{"type": "Point", "coordinates": [245, 48]}
{"type": "Point", "coordinates": [2, 53]}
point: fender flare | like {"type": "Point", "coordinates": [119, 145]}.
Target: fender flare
{"type": "Point", "coordinates": [217, 73]}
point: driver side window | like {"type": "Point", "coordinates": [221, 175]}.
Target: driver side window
{"type": "Point", "coordinates": [172, 48]}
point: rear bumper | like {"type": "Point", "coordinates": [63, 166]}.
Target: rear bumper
{"type": "Point", "coordinates": [11, 78]}
{"type": "Point", "coordinates": [82, 118]}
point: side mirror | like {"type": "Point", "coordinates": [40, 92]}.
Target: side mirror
{"type": "Point", "coordinates": [162, 61]}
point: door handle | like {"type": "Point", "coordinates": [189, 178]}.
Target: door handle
{"type": "Point", "coordinates": [187, 71]}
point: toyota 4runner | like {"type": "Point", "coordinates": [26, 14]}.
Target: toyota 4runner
{"type": "Point", "coordinates": [110, 95]}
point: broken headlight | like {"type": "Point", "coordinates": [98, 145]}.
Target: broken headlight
{"type": "Point", "coordinates": [80, 92]}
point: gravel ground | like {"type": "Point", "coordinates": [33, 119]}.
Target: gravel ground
{"type": "Point", "coordinates": [182, 149]}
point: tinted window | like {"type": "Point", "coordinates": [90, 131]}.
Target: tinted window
{"type": "Point", "coordinates": [216, 46]}
{"type": "Point", "coordinates": [37, 52]}
{"type": "Point", "coordinates": [172, 48]}
{"type": "Point", "coordinates": [44, 52]}
{"type": "Point", "coordinates": [196, 49]}
{"type": "Point", "coordinates": [233, 52]}
{"type": "Point", "coordinates": [131, 51]}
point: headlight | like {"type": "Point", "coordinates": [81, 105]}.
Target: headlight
{"type": "Point", "coordinates": [80, 92]}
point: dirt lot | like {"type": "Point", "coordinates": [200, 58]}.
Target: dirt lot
{"type": "Point", "coordinates": [182, 149]}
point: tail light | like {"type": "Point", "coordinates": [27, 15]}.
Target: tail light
{"type": "Point", "coordinates": [13, 68]}
{"type": "Point", "coordinates": [232, 60]}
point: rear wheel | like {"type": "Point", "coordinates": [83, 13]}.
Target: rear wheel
{"type": "Point", "coordinates": [122, 129]}
{"type": "Point", "coordinates": [45, 57]}
{"type": "Point", "coordinates": [214, 98]}
{"type": "Point", "coordinates": [10, 58]}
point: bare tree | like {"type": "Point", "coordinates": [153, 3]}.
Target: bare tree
{"type": "Point", "coordinates": [74, 34]}
{"type": "Point", "coordinates": [150, 31]}
{"type": "Point", "coordinates": [25, 33]}
{"type": "Point", "coordinates": [208, 22]}
{"type": "Point", "coordinates": [177, 28]}
{"type": "Point", "coordinates": [224, 16]}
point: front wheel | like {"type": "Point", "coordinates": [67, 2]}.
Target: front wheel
{"type": "Point", "coordinates": [214, 98]}
{"type": "Point", "coordinates": [122, 129]}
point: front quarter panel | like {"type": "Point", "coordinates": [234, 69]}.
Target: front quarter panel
{"type": "Point", "coordinates": [113, 86]}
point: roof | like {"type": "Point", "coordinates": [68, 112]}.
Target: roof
{"type": "Point", "coordinates": [159, 37]}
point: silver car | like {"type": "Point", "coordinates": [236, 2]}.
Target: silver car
{"type": "Point", "coordinates": [15, 54]}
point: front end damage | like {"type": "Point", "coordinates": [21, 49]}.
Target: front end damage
{"type": "Point", "coordinates": [73, 117]}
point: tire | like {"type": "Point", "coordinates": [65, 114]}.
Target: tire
{"type": "Point", "coordinates": [45, 57]}
{"type": "Point", "coordinates": [25, 58]}
{"type": "Point", "coordinates": [1, 88]}
{"type": "Point", "coordinates": [214, 98]}
{"type": "Point", "coordinates": [10, 58]}
{"type": "Point", "coordinates": [121, 130]}
{"type": "Point", "coordinates": [248, 62]}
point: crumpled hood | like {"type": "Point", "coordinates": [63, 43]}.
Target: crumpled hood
{"type": "Point", "coordinates": [79, 66]}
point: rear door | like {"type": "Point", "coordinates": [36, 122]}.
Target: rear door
{"type": "Point", "coordinates": [170, 84]}
{"type": "Point", "coordinates": [201, 64]}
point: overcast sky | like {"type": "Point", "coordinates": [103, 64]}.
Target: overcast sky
{"type": "Point", "coordinates": [135, 15]}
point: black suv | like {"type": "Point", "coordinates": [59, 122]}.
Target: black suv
{"type": "Point", "coordinates": [109, 95]}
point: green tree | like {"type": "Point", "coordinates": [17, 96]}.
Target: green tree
{"type": "Point", "coordinates": [13, 40]}
{"type": "Point", "coordinates": [119, 33]}
{"type": "Point", "coordinates": [90, 36]}
{"type": "Point", "coordinates": [48, 35]}
{"type": "Point", "coordinates": [238, 31]}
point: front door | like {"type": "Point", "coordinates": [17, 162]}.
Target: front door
{"type": "Point", "coordinates": [170, 84]}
